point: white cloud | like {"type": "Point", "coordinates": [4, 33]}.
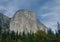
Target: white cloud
{"type": "Point", "coordinates": [13, 5]}
{"type": "Point", "coordinates": [52, 15]}
{"type": "Point", "coordinates": [49, 11]}
{"type": "Point", "coordinates": [1, 7]}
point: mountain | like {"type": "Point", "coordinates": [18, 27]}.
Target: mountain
{"type": "Point", "coordinates": [25, 21]}
{"type": "Point", "coordinates": [4, 21]}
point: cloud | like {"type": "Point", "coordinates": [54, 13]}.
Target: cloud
{"type": "Point", "coordinates": [1, 7]}
{"type": "Point", "coordinates": [50, 13]}
{"type": "Point", "coordinates": [47, 11]}
{"type": "Point", "coordinates": [14, 5]}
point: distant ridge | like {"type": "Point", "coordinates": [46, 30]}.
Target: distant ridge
{"type": "Point", "coordinates": [4, 22]}
{"type": "Point", "coordinates": [3, 19]}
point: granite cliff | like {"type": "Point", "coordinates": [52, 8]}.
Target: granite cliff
{"type": "Point", "coordinates": [25, 21]}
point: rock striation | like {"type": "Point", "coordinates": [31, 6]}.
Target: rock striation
{"type": "Point", "coordinates": [25, 21]}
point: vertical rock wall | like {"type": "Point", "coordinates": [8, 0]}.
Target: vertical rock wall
{"type": "Point", "coordinates": [24, 20]}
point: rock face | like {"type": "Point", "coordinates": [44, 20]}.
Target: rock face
{"type": "Point", "coordinates": [4, 20]}
{"type": "Point", "coordinates": [25, 21]}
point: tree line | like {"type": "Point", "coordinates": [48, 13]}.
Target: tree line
{"type": "Point", "coordinates": [39, 36]}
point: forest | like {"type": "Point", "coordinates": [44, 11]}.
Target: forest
{"type": "Point", "coordinates": [39, 36]}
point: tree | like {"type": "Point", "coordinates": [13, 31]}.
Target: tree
{"type": "Point", "coordinates": [0, 29]}
{"type": "Point", "coordinates": [50, 32]}
{"type": "Point", "coordinates": [51, 35]}
{"type": "Point", "coordinates": [0, 33]}
{"type": "Point", "coordinates": [58, 30]}
{"type": "Point", "coordinates": [41, 36]}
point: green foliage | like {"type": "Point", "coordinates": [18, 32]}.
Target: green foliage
{"type": "Point", "coordinates": [58, 30]}
{"type": "Point", "coordinates": [39, 36]}
{"type": "Point", "coordinates": [0, 29]}
{"type": "Point", "coordinates": [50, 32]}
{"type": "Point", "coordinates": [0, 40]}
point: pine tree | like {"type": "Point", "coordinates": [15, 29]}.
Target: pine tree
{"type": "Point", "coordinates": [0, 29]}
{"type": "Point", "coordinates": [58, 31]}
{"type": "Point", "coordinates": [0, 34]}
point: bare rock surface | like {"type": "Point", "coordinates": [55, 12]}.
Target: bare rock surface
{"type": "Point", "coordinates": [25, 21]}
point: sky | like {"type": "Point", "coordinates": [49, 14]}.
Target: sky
{"type": "Point", "coordinates": [47, 11]}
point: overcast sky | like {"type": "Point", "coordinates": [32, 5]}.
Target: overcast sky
{"type": "Point", "coordinates": [47, 11]}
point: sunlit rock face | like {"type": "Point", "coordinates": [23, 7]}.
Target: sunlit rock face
{"type": "Point", "coordinates": [25, 21]}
